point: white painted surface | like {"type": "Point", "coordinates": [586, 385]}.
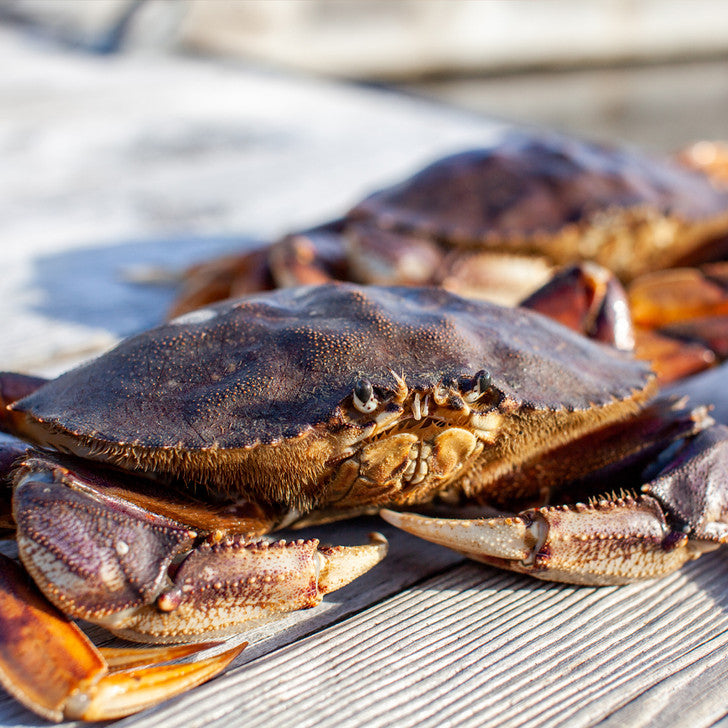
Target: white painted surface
{"type": "Point", "coordinates": [405, 38]}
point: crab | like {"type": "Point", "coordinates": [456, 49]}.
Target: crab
{"type": "Point", "coordinates": [154, 470]}
{"type": "Point", "coordinates": [495, 223]}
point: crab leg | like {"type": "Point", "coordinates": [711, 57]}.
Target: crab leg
{"type": "Point", "coordinates": [11, 450]}
{"type": "Point", "coordinates": [12, 388]}
{"type": "Point", "coordinates": [311, 257]}
{"type": "Point", "coordinates": [681, 316]}
{"type": "Point", "coordinates": [48, 664]}
{"type": "Point", "coordinates": [679, 320]}
{"type": "Point", "coordinates": [125, 691]}
{"type": "Point", "coordinates": [589, 299]}
{"type": "Point", "coordinates": [681, 513]}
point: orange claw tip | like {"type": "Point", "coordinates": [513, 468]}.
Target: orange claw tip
{"type": "Point", "coordinates": [125, 692]}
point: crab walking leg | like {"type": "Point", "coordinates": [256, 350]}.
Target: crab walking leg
{"type": "Point", "coordinates": [673, 318]}
{"type": "Point", "coordinates": [681, 513]}
{"type": "Point", "coordinates": [11, 450]}
{"type": "Point", "coordinates": [126, 691]}
{"type": "Point", "coordinates": [12, 388]}
{"type": "Point", "coordinates": [50, 666]}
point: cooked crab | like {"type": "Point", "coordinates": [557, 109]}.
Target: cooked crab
{"type": "Point", "coordinates": [311, 403]}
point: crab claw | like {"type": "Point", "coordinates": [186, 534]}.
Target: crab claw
{"type": "Point", "coordinates": [220, 586]}
{"type": "Point", "coordinates": [506, 538]}
{"type": "Point", "coordinates": [342, 564]}
{"type": "Point", "coordinates": [589, 299]}
{"type": "Point", "coordinates": [681, 512]}
{"type": "Point", "coordinates": [98, 556]}
{"type": "Point", "coordinates": [50, 666]}
{"type": "Point", "coordinates": [612, 541]}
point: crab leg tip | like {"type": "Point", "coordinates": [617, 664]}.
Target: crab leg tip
{"type": "Point", "coordinates": [127, 691]}
{"type": "Point", "coordinates": [377, 538]}
{"type": "Point", "coordinates": [126, 658]}
{"type": "Point", "coordinates": [503, 538]}
{"type": "Point", "coordinates": [51, 667]}
{"type": "Point", "coordinates": [340, 565]}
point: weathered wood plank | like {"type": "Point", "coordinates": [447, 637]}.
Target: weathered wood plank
{"type": "Point", "coordinates": [679, 698]}
{"type": "Point", "coordinates": [474, 647]}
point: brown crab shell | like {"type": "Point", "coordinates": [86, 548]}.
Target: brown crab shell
{"type": "Point", "coordinates": [261, 372]}
{"type": "Point", "coordinates": [562, 197]}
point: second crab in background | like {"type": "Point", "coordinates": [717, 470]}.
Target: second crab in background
{"type": "Point", "coordinates": [497, 223]}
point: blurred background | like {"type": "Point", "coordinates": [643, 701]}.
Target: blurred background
{"type": "Point", "coordinates": [151, 134]}
{"type": "Point", "coordinates": [649, 72]}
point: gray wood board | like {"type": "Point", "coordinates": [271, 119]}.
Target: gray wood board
{"type": "Point", "coordinates": [475, 647]}
{"type": "Point", "coordinates": [111, 162]}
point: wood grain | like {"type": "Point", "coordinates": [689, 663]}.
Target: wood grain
{"type": "Point", "coordinates": [474, 647]}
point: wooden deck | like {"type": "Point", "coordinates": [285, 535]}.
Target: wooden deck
{"type": "Point", "coordinates": [109, 163]}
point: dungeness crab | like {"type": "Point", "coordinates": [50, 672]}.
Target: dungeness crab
{"type": "Point", "coordinates": [492, 223]}
{"type": "Point", "coordinates": [311, 403]}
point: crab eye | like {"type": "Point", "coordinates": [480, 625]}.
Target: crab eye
{"type": "Point", "coordinates": [364, 399]}
{"type": "Point", "coordinates": [484, 380]}
{"type": "Point", "coordinates": [482, 385]}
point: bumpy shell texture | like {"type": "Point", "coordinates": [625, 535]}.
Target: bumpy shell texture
{"type": "Point", "coordinates": [269, 367]}
{"type": "Point", "coordinates": [531, 183]}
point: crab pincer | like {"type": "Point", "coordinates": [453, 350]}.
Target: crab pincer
{"type": "Point", "coordinates": [147, 577]}
{"type": "Point", "coordinates": [98, 555]}
{"type": "Point", "coordinates": [143, 576]}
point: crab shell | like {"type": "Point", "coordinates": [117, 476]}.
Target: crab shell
{"type": "Point", "coordinates": [338, 396]}
{"type": "Point", "coordinates": [549, 195]}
